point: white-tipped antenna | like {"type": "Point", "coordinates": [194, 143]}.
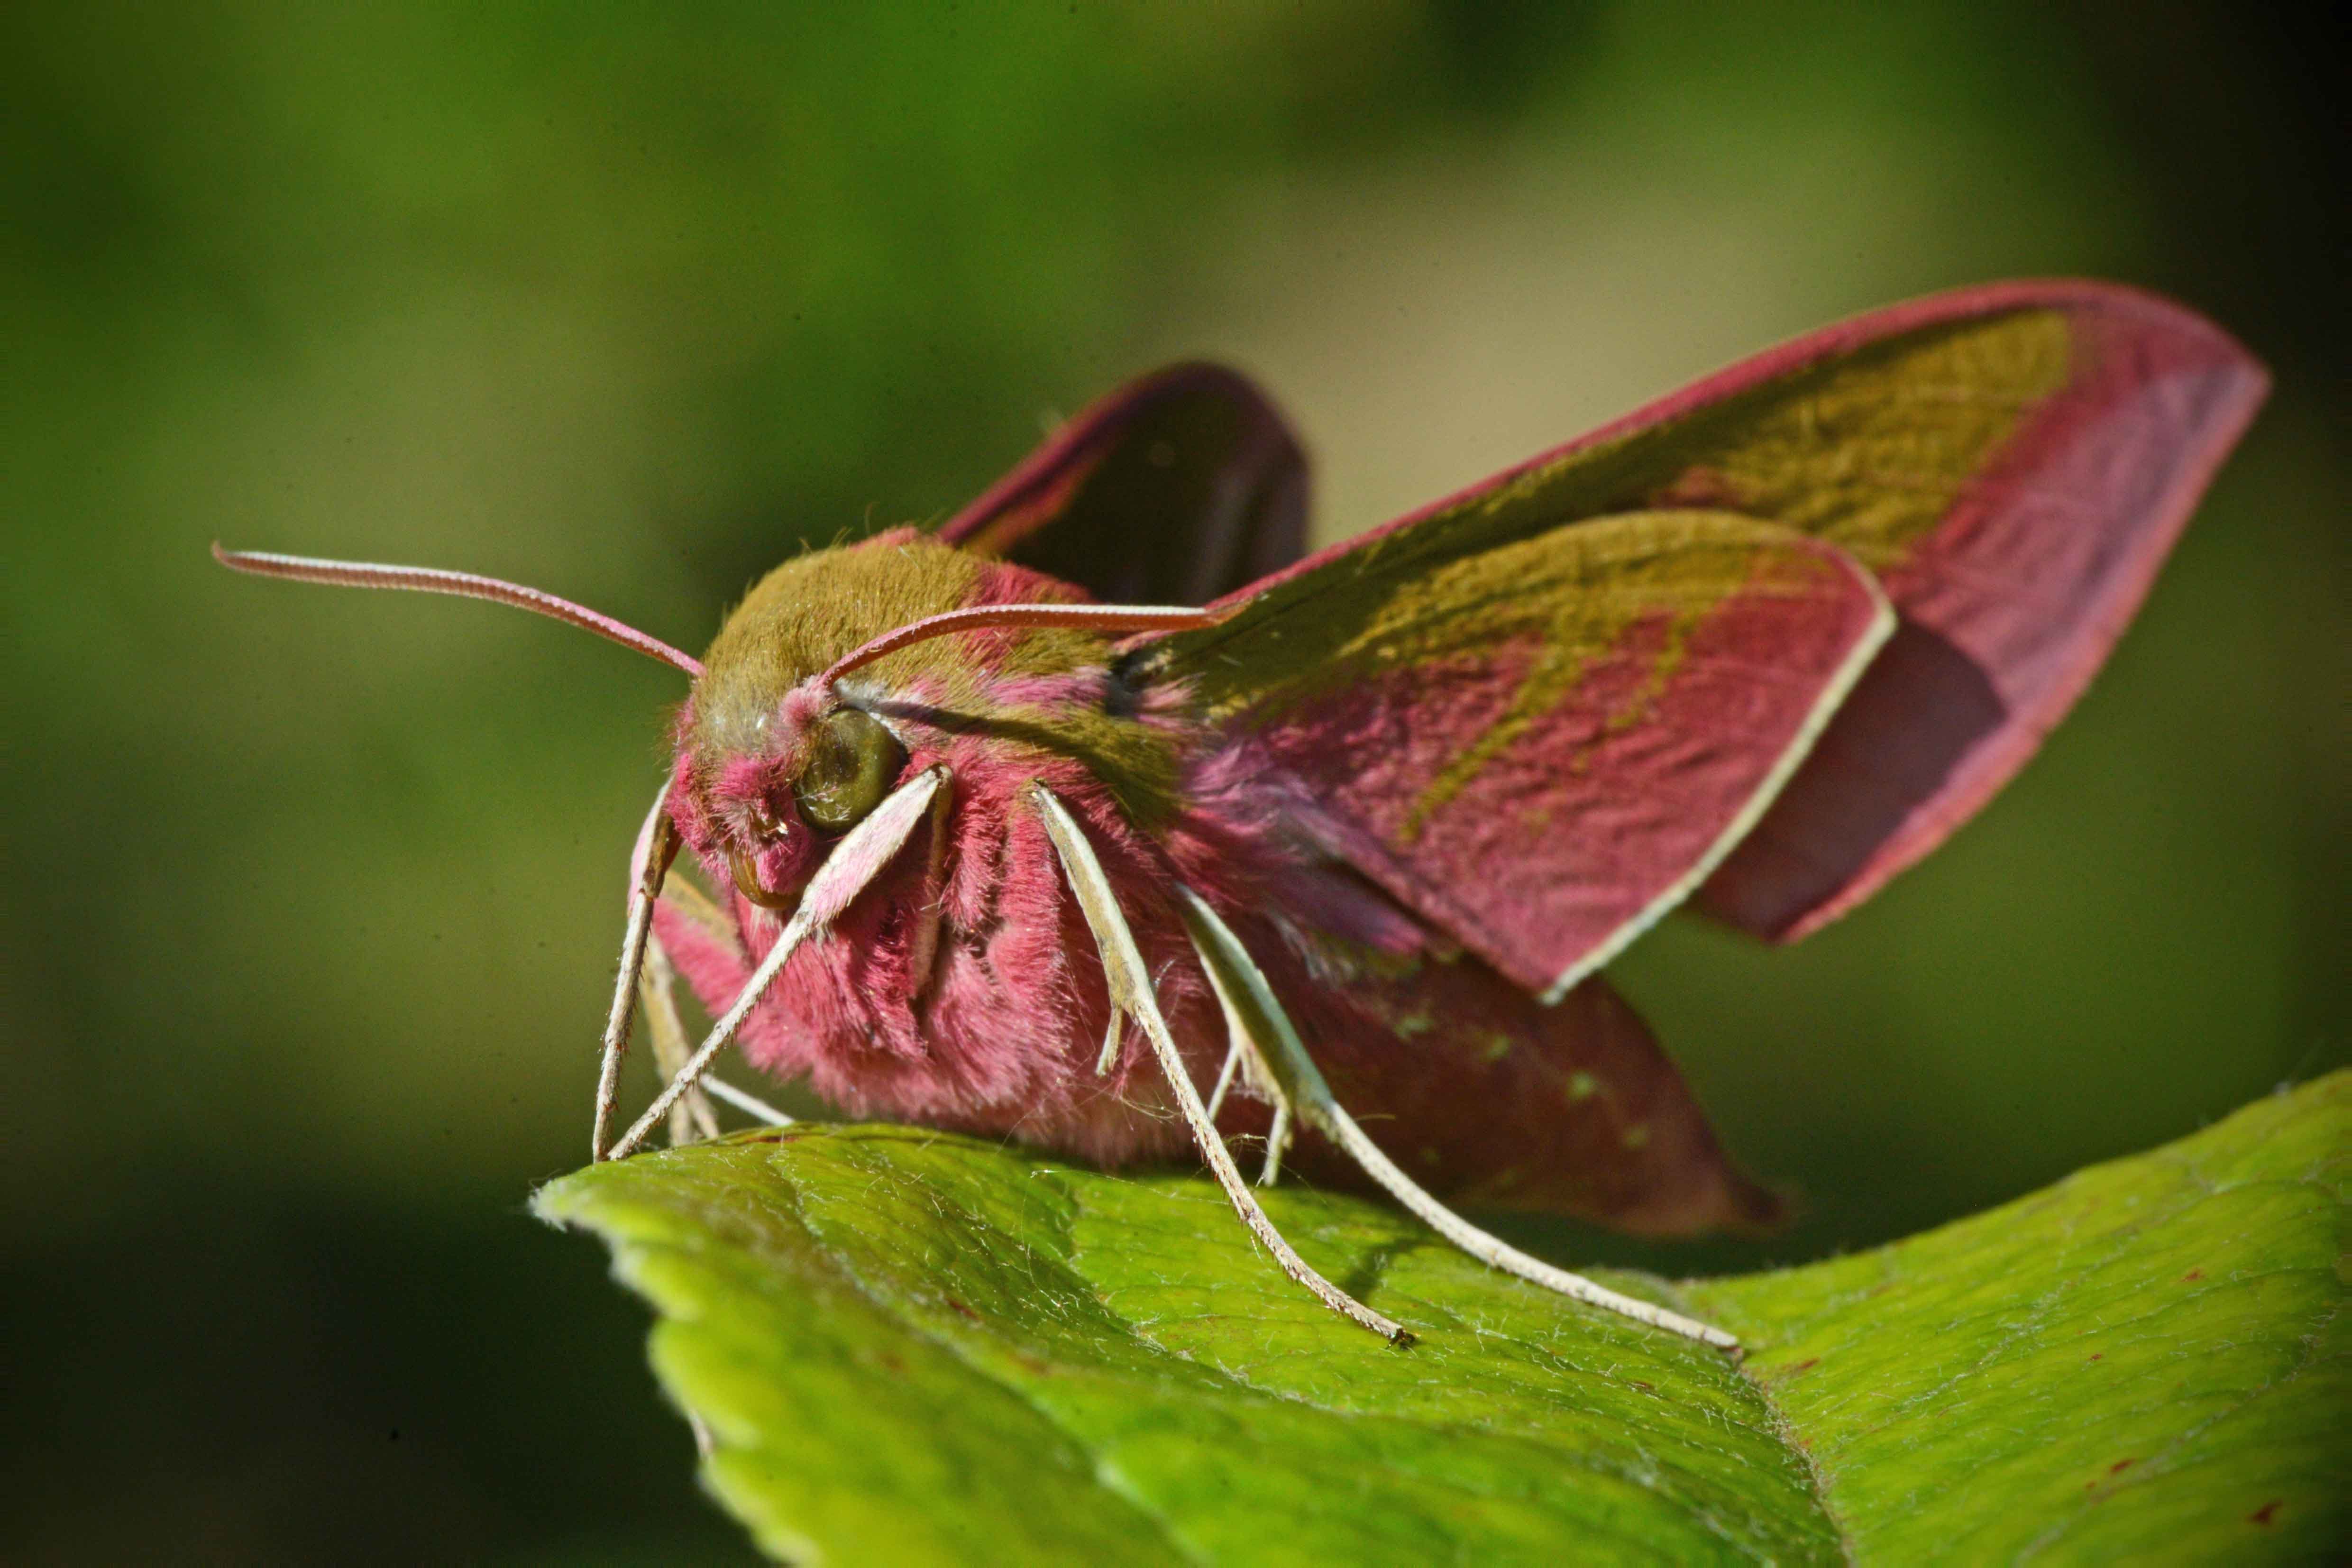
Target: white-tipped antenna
{"type": "Point", "coordinates": [463, 585]}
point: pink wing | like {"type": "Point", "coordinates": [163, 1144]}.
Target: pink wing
{"type": "Point", "coordinates": [1541, 746]}
{"type": "Point", "coordinates": [1171, 491]}
{"type": "Point", "coordinates": [2009, 602]}
{"type": "Point", "coordinates": [2011, 463]}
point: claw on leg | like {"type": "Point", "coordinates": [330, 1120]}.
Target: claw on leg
{"type": "Point", "coordinates": [1114, 1033]}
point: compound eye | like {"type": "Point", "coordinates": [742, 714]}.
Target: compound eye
{"type": "Point", "coordinates": [852, 762]}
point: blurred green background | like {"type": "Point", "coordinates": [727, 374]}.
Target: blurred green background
{"type": "Point", "coordinates": [314, 896]}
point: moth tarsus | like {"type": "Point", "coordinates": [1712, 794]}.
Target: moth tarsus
{"type": "Point", "coordinates": [1277, 1140]}
{"type": "Point", "coordinates": [750, 1105]}
{"type": "Point", "coordinates": [1251, 1006]}
{"type": "Point", "coordinates": [1224, 1079]}
{"type": "Point", "coordinates": [1354, 831]}
{"type": "Point", "coordinates": [1132, 992]}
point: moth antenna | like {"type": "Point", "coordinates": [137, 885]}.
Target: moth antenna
{"type": "Point", "coordinates": [1130, 991]}
{"type": "Point", "coordinates": [463, 585]}
{"type": "Point", "coordinates": [1104, 618]}
{"type": "Point", "coordinates": [1243, 991]}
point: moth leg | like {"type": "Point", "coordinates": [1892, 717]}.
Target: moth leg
{"type": "Point", "coordinates": [860, 858]}
{"type": "Point", "coordinates": [691, 1118]}
{"type": "Point", "coordinates": [649, 861]}
{"type": "Point", "coordinates": [1113, 1033]}
{"type": "Point", "coordinates": [1234, 1048]}
{"type": "Point", "coordinates": [1243, 1055]}
{"type": "Point", "coordinates": [1238, 1050]}
{"type": "Point", "coordinates": [1277, 1140]}
{"type": "Point", "coordinates": [682, 898]}
{"type": "Point", "coordinates": [749, 1105]}
{"type": "Point", "coordinates": [1247, 996]}
{"type": "Point", "coordinates": [1130, 991]}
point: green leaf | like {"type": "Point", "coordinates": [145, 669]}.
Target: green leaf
{"type": "Point", "coordinates": [904, 1346]}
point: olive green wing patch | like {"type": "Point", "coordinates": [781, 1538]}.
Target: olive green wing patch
{"type": "Point", "coordinates": [1541, 746]}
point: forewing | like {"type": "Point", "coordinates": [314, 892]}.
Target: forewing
{"type": "Point", "coordinates": [1173, 490]}
{"type": "Point", "coordinates": [1541, 746]}
{"type": "Point", "coordinates": [2017, 541]}
{"type": "Point", "coordinates": [2012, 461]}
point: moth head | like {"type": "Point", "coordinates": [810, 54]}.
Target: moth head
{"type": "Point", "coordinates": [845, 672]}
{"type": "Point", "coordinates": [818, 766]}
{"type": "Point", "coordinates": [776, 760]}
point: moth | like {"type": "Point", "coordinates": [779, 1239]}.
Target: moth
{"type": "Point", "coordinates": [1105, 818]}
